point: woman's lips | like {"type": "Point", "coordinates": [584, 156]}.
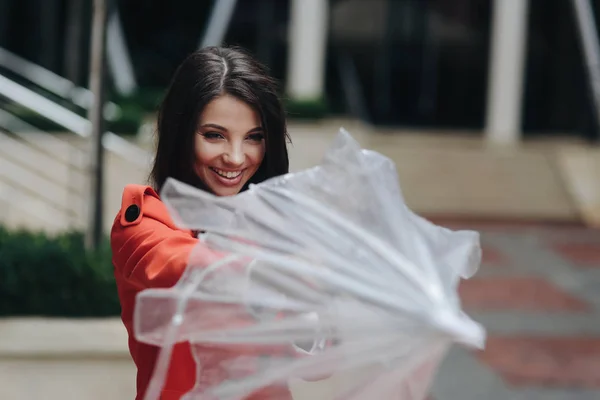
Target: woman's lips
{"type": "Point", "coordinates": [228, 178]}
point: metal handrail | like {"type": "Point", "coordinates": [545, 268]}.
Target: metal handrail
{"type": "Point", "coordinates": [70, 120]}
{"type": "Point", "coordinates": [48, 80]}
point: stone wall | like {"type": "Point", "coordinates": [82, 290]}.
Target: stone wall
{"type": "Point", "coordinates": [62, 359]}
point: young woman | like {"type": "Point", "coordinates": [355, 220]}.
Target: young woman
{"type": "Point", "coordinates": [221, 127]}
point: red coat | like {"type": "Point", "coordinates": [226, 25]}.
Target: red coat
{"type": "Point", "coordinates": [150, 251]}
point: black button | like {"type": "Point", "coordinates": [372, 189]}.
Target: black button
{"type": "Point", "coordinates": [132, 212]}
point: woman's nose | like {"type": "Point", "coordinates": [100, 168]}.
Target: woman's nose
{"type": "Point", "coordinates": [234, 155]}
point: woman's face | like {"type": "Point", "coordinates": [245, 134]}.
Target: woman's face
{"type": "Point", "coordinates": [230, 145]}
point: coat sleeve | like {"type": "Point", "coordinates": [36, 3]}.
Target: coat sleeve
{"type": "Point", "coordinates": [149, 252]}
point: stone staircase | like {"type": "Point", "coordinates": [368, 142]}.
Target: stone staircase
{"type": "Point", "coordinates": [44, 178]}
{"type": "Point", "coordinates": [44, 181]}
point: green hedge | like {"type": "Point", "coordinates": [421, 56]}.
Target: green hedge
{"type": "Point", "coordinates": [306, 109]}
{"type": "Point", "coordinates": [145, 98]}
{"type": "Point", "coordinates": [55, 276]}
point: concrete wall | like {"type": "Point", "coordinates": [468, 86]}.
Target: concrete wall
{"type": "Point", "coordinates": [50, 359]}
{"type": "Point", "coordinates": [64, 359]}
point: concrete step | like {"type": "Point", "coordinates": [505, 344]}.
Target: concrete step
{"type": "Point", "coordinates": [42, 175]}
{"type": "Point", "coordinates": [22, 210]}
{"type": "Point", "coordinates": [456, 174]}
{"type": "Point", "coordinates": [580, 170]}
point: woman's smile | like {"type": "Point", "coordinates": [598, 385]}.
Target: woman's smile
{"type": "Point", "coordinates": [228, 178]}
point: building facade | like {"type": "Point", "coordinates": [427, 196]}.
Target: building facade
{"type": "Point", "coordinates": [433, 64]}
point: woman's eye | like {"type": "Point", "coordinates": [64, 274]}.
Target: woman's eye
{"type": "Point", "coordinates": [256, 137]}
{"type": "Point", "coordinates": [212, 135]}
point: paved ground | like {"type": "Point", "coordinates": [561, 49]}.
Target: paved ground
{"type": "Point", "coordinates": [538, 294]}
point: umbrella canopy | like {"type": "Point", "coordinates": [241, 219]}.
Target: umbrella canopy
{"type": "Point", "coordinates": [323, 271]}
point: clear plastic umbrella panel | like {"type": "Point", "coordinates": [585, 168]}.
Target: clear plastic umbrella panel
{"type": "Point", "coordinates": [322, 280]}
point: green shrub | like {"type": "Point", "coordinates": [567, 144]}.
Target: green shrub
{"type": "Point", "coordinates": [55, 276]}
{"type": "Point", "coordinates": [129, 120]}
{"type": "Point", "coordinates": [146, 98]}
{"type": "Point", "coordinates": [306, 109]}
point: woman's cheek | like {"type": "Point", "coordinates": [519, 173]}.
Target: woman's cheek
{"type": "Point", "coordinates": [207, 151]}
{"type": "Point", "coordinates": [257, 153]}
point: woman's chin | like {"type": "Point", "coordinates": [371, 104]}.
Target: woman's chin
{"type": "Point", "coordinates": [224, 191]}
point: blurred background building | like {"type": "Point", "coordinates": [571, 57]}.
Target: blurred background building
{"type": "Point", "coordinates": [410, 63]}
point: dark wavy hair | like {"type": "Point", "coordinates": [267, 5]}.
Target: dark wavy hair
{"type": "Point", "coordinates": [204, 75]}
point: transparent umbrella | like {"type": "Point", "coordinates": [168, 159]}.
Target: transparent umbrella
{"type": "Point", "coordinates": [321, 273]}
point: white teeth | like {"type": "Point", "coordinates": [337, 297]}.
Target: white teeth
{"type": "Point", "coordinates": [227, 174]}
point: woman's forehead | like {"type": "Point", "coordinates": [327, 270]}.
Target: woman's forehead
{"type": "Point", "coordinates": [231, 113]}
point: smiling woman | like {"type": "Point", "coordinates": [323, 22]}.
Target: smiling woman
{"type": "Point", "coordinates": [223, 95]}
{"type": "Point", "coordinates": [221, 127]}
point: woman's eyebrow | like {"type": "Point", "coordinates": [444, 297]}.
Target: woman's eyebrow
{"type": "Point", "coordinates": [214, 126]}
{"type": "Point", "coordinates": [258, 129]}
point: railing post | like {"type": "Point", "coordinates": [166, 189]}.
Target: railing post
{"type": "Point", "coordinates": [590, 45]}
{"type": "Point", "coordinates": [506, 71]}
{"type": "Point", "coordinates": [218, 23]}
{"type": "Point", "coordinates": [307, 34]}
{"type": "Point", "coordinates": [97, 63]}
